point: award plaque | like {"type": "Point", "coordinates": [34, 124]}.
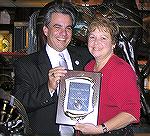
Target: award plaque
{"type": "Point", "coordinates": [78, 99]}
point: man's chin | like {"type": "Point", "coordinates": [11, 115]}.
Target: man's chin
{"type": "Point", "coordinates": [60, 48]}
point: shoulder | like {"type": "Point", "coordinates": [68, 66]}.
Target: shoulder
{"type": "Point", "coordinates": [121, 63]}
{"type": "Point", "coordinates": [33, 57]}
{"type": "Point", "coordinates": [90, 65]}
{"type": "Point", "coordinates": [31, 60]}
{"type": "Point", "coordinates": [27, 59]}
{"type": "Point", "coordinates": [120, 67]}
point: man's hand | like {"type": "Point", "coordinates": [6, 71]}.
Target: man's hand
{"type": "Point", "coordinates": [54, 77]}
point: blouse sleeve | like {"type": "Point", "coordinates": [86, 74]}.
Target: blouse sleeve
{"type": "Point", "coordinates": [124, 90]}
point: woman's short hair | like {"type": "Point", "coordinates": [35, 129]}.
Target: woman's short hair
{"type": "Point", "coordinates": [105, 24]}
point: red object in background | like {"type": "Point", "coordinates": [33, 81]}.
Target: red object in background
{"type": "Point", "coordinates": [13, 54]}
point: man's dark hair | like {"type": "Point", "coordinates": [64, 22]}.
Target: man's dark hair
{"type": "Point", "coordinates": [44, 17]}
{"type": "Point", "coordinates": [62, 7]}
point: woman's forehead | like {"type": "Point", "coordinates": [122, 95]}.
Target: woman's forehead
{"type": "Point", "coordinates": [100, 29]}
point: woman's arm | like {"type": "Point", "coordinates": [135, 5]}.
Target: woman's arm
{"type": "Point", "coordinates": [121, 120]}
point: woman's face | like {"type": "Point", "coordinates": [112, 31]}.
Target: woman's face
{"type": "Point", "coordinates": [100, 43]}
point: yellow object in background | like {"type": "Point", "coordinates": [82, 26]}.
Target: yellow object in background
{"type": "Point", "coordinates": [4, 44]}
{"type": "Point", "coordinates": [1, 39]}
{"type": "Point", "coordinates": [1, 47]}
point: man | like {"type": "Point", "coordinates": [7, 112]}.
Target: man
{"type": "Point", "coordinates": [37, 75]}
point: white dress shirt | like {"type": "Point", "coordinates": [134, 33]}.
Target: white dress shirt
{"type": "Point", "coordinates": [54, 59]}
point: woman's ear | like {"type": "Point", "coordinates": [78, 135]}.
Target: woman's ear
{"type": "Point", "coordinates": [45, 30]}
{"type": "Point", "coordinates": [113, 47]}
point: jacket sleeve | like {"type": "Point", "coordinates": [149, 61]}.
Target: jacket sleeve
{"type": "Point", "coordinates": [31, 87]}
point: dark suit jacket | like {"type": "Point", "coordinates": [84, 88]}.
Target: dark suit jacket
{"type": "Point", "coordinates": [31, 80]}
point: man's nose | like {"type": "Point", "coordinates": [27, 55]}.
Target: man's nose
{"type": "Point", "coordinates": [64, 32]}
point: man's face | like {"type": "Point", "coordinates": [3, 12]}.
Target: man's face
{"type": "Point", "coordinates": [59, 31]}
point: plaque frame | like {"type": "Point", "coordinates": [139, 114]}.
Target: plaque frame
{"type": "Point", "coordinates": [78, 99]}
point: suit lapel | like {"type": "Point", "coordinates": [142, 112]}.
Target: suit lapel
{"type": "Point", "coordinates": [76, 61]}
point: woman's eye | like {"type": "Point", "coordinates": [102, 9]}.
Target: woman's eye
{"type": "Point", "coordinates": [103, 38]}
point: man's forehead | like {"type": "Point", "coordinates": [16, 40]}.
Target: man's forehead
{"type": "Point", "coordinates": [59, 18]}
{"type": "Point", "coordinates": [55, 14]}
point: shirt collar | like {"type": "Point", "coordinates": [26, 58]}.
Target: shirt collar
{"type": "Point", "coordinates": [50, 51]}
{"type": "Point", "coordinates": [55, 60]}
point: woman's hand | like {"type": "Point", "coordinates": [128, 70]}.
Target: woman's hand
{"type": "Point", "coordinates": [88, 128]}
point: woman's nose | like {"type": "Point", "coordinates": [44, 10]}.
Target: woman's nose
{"type": "Point", "coordinates": [96, 42]}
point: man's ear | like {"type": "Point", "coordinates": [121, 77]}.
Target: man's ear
{"type": "Point", "coordinates": [45, 30]}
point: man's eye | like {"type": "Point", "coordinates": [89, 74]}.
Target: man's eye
{"type": "Point", "coordinates": [69, 28]}
{"type": "Point", "coordinates": [91, 37]}
{"type": "Point", "coordinates": [57, 27]}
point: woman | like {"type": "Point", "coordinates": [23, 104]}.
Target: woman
{"type": "Point", "coordinates": [120, 96]}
